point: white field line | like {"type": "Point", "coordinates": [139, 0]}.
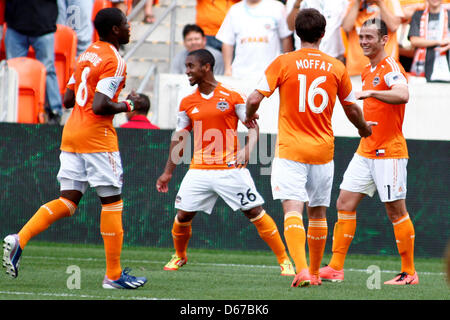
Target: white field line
{"type": "Point", "coordinates": [162, 263]}
{"type": "Point", "coordinates": [70, 295]}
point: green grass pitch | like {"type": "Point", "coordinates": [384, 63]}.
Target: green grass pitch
{"type": "Point", "coordinates": [46, 273]}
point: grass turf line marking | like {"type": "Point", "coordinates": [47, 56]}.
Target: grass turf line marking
{"type": "Point", "coordinates": [217, 264]}
{"type": "Point", "coordinates": [70, 295]}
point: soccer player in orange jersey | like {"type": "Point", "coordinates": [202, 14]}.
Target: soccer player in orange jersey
{"type": "Point", "coordinates": [302, 171]}
{"type": "Point", "coordinates": [89, 150]}
{"type": "Point", "coordinates": [217, 169]}
{"type": "Point", "coordinates": [379, 163]}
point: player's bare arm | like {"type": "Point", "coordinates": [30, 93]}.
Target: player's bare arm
{"type": "Point", "coordinates": [243, 155]}
{"type": "Point", "coordinates": [398, 94]}
{"type": "Point", "coordinates": [355, 115]}
{"type": "Point", "coordinates": [69, 99]}
{"type": "Point", "coordinates": [252, 105]}
{"type": "Point", "coordinates": [176, 149]}
{"type": "Point", "coordinates": [103, 105]}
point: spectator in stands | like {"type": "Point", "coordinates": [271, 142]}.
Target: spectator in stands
{"type": "Point", "coordinates": [137, 119]}
{"type": "Point", "coordinates": [122, 5]}
{"type": "Point", "coordinates": [77, 15]}
{"type": "Point", "coordinates": [33, 22]}
{"type": "Point", "coordinates": [429, 33]}
{"type": "Point", "coordinates": [359, 11]}
{"type": "Point", "coordinates": [194, 39]}
{"type": "Point", "coordinates": [405, 49]}
{"type": "Point", "coordinates": [209, 16]}
{"type": "Point", "coordinates": [333, 11]}
{"type": "Point", "coordinates": [254, 29]}
{"type": "Point", "coordinates": [149, 17]}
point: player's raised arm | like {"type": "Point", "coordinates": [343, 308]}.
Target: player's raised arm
{"type": "Point", "coordinates": [103, 105]}
{"type": "Point", "coordinates": [398, 94]}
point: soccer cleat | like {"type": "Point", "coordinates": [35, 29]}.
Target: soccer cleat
{"type": "Point", "coordinates": [327, 273]}
{"type": "Point", "coordinates": [126, 281]}
{"type": "Point", "coordinates": [287, 269]}
{"type": "Point", "coordinates": [11, 254]}
{"type": "Point", "coordinates": [315, 280]}
{"type": "Point", "coordinates": [175, 263]}
{"type": "Point", "coordinates": [404, 279]}
{"type": "Point", "coordinates": [302, 279]}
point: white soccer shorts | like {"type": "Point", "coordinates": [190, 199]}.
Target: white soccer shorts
{"type": "Point", "coordinates": [293, 180]}
{"type": "Point", "coordinates": [387, 176]}
{"type": "Point", "coordinates": [101, 170]}
{"type": "Point", "coordinates": [200, 189]}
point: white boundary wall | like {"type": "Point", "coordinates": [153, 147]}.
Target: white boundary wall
{"type": "Point", "coordinates": [426, 116]}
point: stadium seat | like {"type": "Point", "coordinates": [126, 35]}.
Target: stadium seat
{"type": "Point", "coordinates": [98, 5]}
{"type": "Point", "coordinates": [65, 54]}
{"type": "Point", "coordinates": [31, 74]}
{"type": "Point", "coordinates": [2, 44]}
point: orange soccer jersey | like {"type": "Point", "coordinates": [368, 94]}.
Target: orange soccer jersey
{"type": "Point", "coordinates": [99, 69]}
{"type": "Point", "coordinates": [214, 121]}
{"type": "Point", "coordinates": [387, 139]}
{"type": "Point", "coordinates": [308, 81]}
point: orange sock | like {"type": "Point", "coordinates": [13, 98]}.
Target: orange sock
{"type": "Point", "coordinates": [344, 231]}
{"type": "Point", "coordinates": [317, 239]}
{"type": "Point", "coordinates": [181, 233]}
{"type": "Point", "coordinates": [44, 217]}
{"type": "Point", "coordinates": [268, 231]}
{"type": "Point", "coordinates": [404, 236]}
{"type": "Point", "coordinates": [112, 234]}
{"type": "Point", "coordinates": [295, 235]}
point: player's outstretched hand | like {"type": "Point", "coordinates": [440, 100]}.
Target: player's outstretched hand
{"type": "Point", "coordinates": [162, 184]}
{"type": "Point", "coordinates": [367, 130]}
{"type": "Point", "coordinates": [252, 121]}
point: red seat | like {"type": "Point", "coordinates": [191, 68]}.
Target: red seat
{"type": "Point", "coordinates": [65, 54]}
{"type": "Point", "coordinates": [98, 5]}
{"type": "Point", "coordinates": [31, 74]}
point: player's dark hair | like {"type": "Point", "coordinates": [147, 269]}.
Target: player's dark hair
{"type": "Point", "coordinates": [192, 28]}
{"type": "Point", "coordinates": [204, 57]}
{"type": "Point", "coordinates": [106, 19]}
{"type": "Point", "coordinates": [380, 24]}
{"type": "Point", "coordinates": [310, 25]}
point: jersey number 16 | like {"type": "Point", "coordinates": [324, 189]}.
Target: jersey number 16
{"type": "Point", "coordinates": [313, 90]}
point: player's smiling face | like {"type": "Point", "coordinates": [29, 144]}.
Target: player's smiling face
{"type": "Point", "coordinates": [370, 40]}
{"type": "Point", "coordinates": [194, 70]}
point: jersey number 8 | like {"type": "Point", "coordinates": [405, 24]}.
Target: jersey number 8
{"type": "Point", "coordinates": [82, 92]}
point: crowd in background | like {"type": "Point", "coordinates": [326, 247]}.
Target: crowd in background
{"type": "Point", "coordinates": [245, 36]}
